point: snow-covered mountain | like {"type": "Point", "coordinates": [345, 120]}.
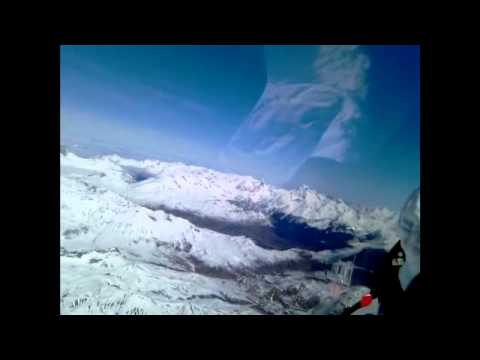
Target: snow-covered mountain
{"type": "Point", "coordinates": [231, 197]}
{"type": "Point", "coordinates": [159, 238]}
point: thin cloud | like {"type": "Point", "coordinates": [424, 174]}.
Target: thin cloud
{"type": "Point", "coordinates": [339, 79]}
{"type": "Point", "coordinates": [335, 140]}
{"type": "Point", "coordinates": [345, 69]}
{"type": "Point", "coordinates": [288, 102]}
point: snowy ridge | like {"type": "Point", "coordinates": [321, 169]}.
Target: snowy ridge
{"type": "Point", "coordinates": [232, 197]}
{"type": "Point", "coordinates": [93, 217]}
{"type": "Point", "coordinates": [105, 282]}
{"type": "Point", "coordinates": [123, 254]}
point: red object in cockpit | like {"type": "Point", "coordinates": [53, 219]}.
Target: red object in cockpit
{"type": "Point", "coordinates": [366, 300]}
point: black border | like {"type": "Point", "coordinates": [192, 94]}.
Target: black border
{"type": "Point", "coordinates": [51, 135]}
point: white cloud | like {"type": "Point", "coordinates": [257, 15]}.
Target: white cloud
{"type": "Point", "coordinates": [335, 140]}
{"type": "Point", "coordinates": [288, 102]}
{"type": "Point", "coordinates": [343, 67]}
{"type": "Point", "coordinates": [339, 79]}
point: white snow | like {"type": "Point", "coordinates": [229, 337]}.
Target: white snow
{"type": "Point", "coordinates": [227, 196]}
{"type": "Point", "coordinates": [110, 283]}
{"type": "Point", "coordinates": [93, 217]}
{"type": "Point", "coordinates": [122, 257]}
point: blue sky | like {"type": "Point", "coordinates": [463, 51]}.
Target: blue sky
{"type": "Point", "coordinates": [268, 111]}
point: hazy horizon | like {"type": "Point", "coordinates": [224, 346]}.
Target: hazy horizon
{"type": "Point", "coordinates": [269, 112]}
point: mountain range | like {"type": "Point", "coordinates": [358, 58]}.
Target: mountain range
{"type": "Point", "coordinates": [155, 237]}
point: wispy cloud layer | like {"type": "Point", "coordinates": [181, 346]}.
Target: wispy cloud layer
{"type": "Point", "coordinates": [345, 69]}
{"type": "Point", "coordinates": [335, 140]}
{"type": "Point", "coordinates": [339, 80]}
{"type": "Point", "coordinates": [288, 102]}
